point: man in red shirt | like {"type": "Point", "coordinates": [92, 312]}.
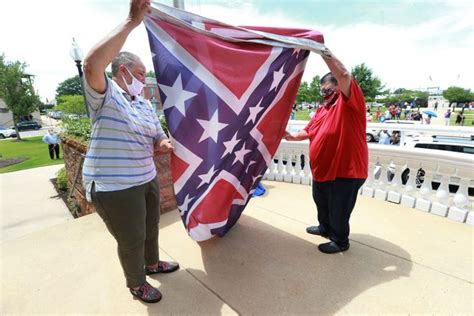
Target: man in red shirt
{"type": "Point", "coordinates": [338, 154]}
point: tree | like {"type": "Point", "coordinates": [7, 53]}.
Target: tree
{"type": "Point", "coordinates": [368, 82]}
{"type": "Point", "coordinates": [71, 104]}
{"type": "Point", "coordinates": [458, 95]}
{"type": "Point", "coordinates": [309, 92]}
{"type": "Point", "coordinates": [303, 93]}
{"type": "Point", "coordinates": [402, 95]}
{"type": "Point", "coordinates": [70, 86]}
{"type": "Point", "coordinates": [315, 89]}
{"type": "Point", "coordinates": [16, 89]}
{"type": "Point", "coordinates": [151, 74]}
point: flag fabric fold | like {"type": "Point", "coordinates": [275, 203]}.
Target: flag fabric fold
{"type": "Point", "coordinates": [227, 93]}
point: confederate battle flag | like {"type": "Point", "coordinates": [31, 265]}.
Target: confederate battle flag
{"type": "Point", "coordinates": [227, 94]}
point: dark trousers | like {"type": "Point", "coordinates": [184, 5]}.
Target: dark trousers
{"type": "Point", "coordinates": [132, 216]}
{"type": "Point", "coordinates": [335, 201]}
{"type": "Point", "coordinates": [53, 148]}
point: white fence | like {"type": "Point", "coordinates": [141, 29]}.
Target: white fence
{"type": "Point", "coordinates": [388, 168]}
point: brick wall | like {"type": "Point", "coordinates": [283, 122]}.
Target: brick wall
{"type": "Point", "coordinates": [74, 150]}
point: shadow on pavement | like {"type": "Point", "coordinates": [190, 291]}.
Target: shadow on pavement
{"type": "Point", "coordinates": [259, 269]}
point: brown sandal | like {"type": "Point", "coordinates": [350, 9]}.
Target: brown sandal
{"type": "Point", "coordinates": [163, 267]}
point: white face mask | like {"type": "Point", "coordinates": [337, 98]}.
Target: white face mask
{"type": "Point", "coordinates": [136, 87]}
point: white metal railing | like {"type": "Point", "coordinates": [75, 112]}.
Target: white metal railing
{"type": "Point", "coordinates": [392, 177]}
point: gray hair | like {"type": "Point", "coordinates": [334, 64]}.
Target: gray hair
{"type": "Point", "coordinates": [124, 58]}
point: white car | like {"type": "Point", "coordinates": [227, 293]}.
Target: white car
{"type": "Point", "coordinates": [441, 142]}
{"type": "Point", "coordinates": [372, 135]}
{"type": "Point", "coordinates": [7, 132]}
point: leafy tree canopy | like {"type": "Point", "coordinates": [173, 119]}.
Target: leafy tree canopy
{"type": "Point", "coordinates": [71, 104]}
{"type": "Point", "coordinates": [458, 95]}
{"type": "Point", "coordinates": [70, 86]}
{"type": "Point", "coordinates": [309, 92]}
{"type": "Point", "coordinates": [16, 89]}
{"type": "Point", "coordinates": [370, 84]}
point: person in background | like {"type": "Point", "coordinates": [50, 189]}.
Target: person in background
{"type": "Point", "coordinates": [384, 137]}
{"type": "Point", "coordinates": [377, 113]}
{"type": "Point", "coordinates": [119, 174]}
{"type": "Point", "coordinates": [393, 111]}
{"type": "Point", "coordinates": [447, 117]}
{"type": "Point", "coordinates": [52, 140]}
{"type": "Point", "coordinates": [459, 119]}
{"type": "Point", "coordinates": [428, 119]}
{"type": "Point", "coordinates": [395, 140]}
{"type": "Point", "coordinates": [369, 115]}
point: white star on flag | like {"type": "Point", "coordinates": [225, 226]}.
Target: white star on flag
{"type": "Point", "coordinates": [277, 77]}
{"type": "Point", "coordinates": [176, 96]}
{"type": "Point", "coordinates": [254, 110]}
{"type": "Point", "coordinates": [211, 127]}
{"type": "Point", "coordinates": [230, 145]}
{"type": "Point", "coordinates": [255, 178]}
{"type": "Point", "coordinates": [239, 154]}
{"type": "Point", "coordinates": [206, 177]}
{"type": "Point", "coordinates": [248, 167]}
{"type": "Point", "coordinates": [184, 207]}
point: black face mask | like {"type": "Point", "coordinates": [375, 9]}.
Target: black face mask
{"type": "Point", "coordinates": [327, 92]}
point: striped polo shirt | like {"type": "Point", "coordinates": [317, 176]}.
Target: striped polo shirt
{"type": "Point", "coordinates": [120, 151]}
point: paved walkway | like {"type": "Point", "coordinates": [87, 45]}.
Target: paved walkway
{"type": "Point", "coordinates": [401, 261]}
{"type": "Point", "coordinates": [29, 202]}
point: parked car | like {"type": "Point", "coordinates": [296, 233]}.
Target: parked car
{"type": "Point", "coordinates": [7, 132]}
{"type": "Point", "coordinates": [462, 145]}
{"type": "Point", "coordinates": [447, 143]}
{"type": "Point", "coordinates": [372, 135]}
{"type": "Point", "coordinates": [27, 125]}
{"type": "Point", "coordinates": [55, 114]}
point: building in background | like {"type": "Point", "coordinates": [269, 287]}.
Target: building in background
{"type": "Point", "coordinates": [151, 92]}
{"type": "Point", "coordinates": [436, 97]}
{"type": "Point", "coordinates": [6, 117]}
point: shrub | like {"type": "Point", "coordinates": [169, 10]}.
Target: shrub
{"type": "Point", "coordinates": [164, 125]}
{"type": "Point", "coordinates": [77, 128]}
{"type": "Point", "coordinates": [61, 179]}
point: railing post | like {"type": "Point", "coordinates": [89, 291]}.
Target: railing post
{"type": "Point", "coordinates": [442, 194]}
{"type": "Point", "coordinates": [408, 199]}
{"type": "Point", "coordinates": [423, 203]}
{"type": "Point", "coordinates": [460, 211]}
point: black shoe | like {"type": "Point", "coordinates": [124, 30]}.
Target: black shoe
{"type": "Point", "coordinates": [332, 247]}
{"type": "Point", "coordinates": [315, 230]}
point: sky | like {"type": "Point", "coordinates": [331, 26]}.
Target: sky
{"type": "Point", "coordinates": [407, 43]}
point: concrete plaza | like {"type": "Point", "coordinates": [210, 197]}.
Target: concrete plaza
{"type": "Point", "coordinates": [401, 261]}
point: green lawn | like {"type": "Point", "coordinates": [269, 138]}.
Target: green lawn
{"type": "Point", "coordinates": [32, 148]}
{"type": "Point", "coordinates": [302, 115]}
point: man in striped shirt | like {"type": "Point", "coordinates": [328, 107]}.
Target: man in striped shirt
{"type": "Point", "coordinates": [119, 174]}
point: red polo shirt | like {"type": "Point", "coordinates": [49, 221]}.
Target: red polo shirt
{"type": "Point", "coordinates": [337, 142]}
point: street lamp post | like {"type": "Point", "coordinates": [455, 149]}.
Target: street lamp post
{"type": "Point", "coordinates": [76, 54]}
{"type": "Point", "coordinates": [178, 4]}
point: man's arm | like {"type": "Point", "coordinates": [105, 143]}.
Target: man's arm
{"type": "Point", "coordinates": [339, 71]}
{"type": "Point", "coordinates": [301, 135]}
{"type": "Point", "coordinates": [163, 145]}
{"type": "Point", "coordinates": [102, 54]}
